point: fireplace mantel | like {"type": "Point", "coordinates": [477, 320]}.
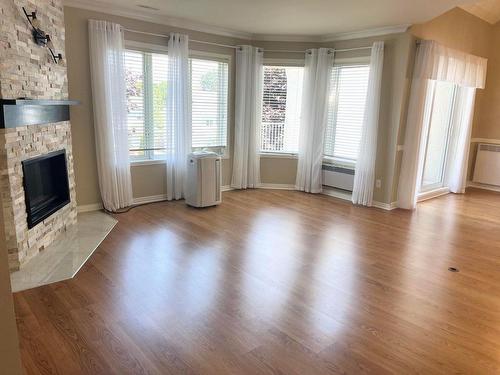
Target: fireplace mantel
{"type": "Point", "coordinates": [23, 112]}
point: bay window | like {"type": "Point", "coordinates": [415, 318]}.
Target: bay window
{"type": "Point", "coordinates": [146, 85]}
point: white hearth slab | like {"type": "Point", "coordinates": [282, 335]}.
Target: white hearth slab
{"type": "Point", "coordinates": [64, 258]}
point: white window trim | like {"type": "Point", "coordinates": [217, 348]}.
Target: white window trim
{"type": "Point", "coordinates": [278, 155]}
{"type": "Point", "coordinates": [351, 60]}
{"type": "Point", "coordinates": [156, 48]}
{"type": "Point", "coordinates": [284, 62]}
{"type": "Point", "coordinates": [145, 47]}
{"type": "Point", "coordinates": [339, 162]}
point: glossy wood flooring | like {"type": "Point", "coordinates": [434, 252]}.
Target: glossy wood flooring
{"type": "Point", "coordinates": [278, 282]}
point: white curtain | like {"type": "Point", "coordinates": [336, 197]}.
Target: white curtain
{"type": "Point", "coordinates": [318, 67]}
{"type": "Point", "coordinates": [456, 177]}
{"type": "Point", "coordinates": [248, 112]}
{"type": "Point", "coordinates": [178, 131]}
{"type": "Point", "coordinates": [434, 62]}
{"type": "Point", "coordinates": [110, 114]}
{"type": "Point", "coordinates": [364, 175]}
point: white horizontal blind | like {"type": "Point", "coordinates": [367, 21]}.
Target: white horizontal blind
{"type": "Point", "coordinates": [346, 108]}
{"type": "Point", "coordinates": [209, 98]}
{"type": "Point", "coordinates": [158, 125]}
{"type": "Point", "coordinates": [281, 108]}
{"type": "Point", "coordinates": [134, 76]}
{"type": "Point", "coordinates": [146, 83]}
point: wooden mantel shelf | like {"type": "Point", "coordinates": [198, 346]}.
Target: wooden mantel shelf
{"type": "Point", "coordinates": [23, 112]}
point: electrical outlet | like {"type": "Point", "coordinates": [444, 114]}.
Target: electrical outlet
{"type": "Point", "coordinates": [378, 183]}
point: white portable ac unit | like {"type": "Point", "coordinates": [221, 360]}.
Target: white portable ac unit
{"type": "Point", "coordinates": [487, 168]}
{"type": "Point", "coordinates": [203, 184]}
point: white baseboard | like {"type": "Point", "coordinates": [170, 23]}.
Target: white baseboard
{"type": "Point", "coordinates": [149, 199]}
{"type": "Point", "coordinates": [348, 197]}
{"type": "Point", "coordinates": [485, 140]}
{"type": "Point", "coordinates": [385, 206]}
{"type": "Point", "coordinates": [483, 186]}
{"type": "Point", "coordinates": [89, 207]}
{"type": "Point", "coordinates": [277, 186]}
{"type": "Point", "coordinates": [337, 194]}
{"type": "Point", "coordinates": [432, 194]}
{"type": "Point", "coordinates": [226, 188]}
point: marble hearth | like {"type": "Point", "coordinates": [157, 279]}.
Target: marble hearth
{"type": "Point", "coordinates": [63, 259]}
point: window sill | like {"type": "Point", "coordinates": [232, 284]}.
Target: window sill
{"type": "Point", "coordinates": [339, 163]}
{"type": "Point", "coordinates": [278, 155]}
{"type": "Point", "coordinates": [138, 163]}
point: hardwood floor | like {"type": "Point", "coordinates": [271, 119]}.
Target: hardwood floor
{"type": "Point", "coordinates": [278, 282]}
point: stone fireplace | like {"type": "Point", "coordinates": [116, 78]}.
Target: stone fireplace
{"type": "Point", "coordinates": [28, 71]}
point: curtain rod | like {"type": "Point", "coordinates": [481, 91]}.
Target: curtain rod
{"type": "Point", "coordinates": [236, 47]}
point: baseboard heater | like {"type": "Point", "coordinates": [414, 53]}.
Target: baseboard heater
{"type": "Point", "coordinates": [338, 177]}
{"type": "Point", "coordinates": [487, 167]}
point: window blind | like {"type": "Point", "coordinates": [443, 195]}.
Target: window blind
{"type": "Point", "coordinates": [209, 96]}
{"type": "Point", "coordinates": [281, 107]}
{"type": "Point", "coordinates": [134, 76]}
{"type": "Point", "coordinates": [146, 84]}
{"type": "Point", "coordinates": [157, 125]}
{"type": "Point", "coordinates": [346, 108]}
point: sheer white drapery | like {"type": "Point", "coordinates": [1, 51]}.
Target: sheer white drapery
{"type": "Point", "coordinates": [456, 176]}
{"type": "Point", "coordinates": [178, 124]}
{"type": "Point", "coordinates": [364, 175]}
{"type": "Point", "coordinates": [439, 63]}
{"type": "Point", "coordinates": [248, 113]}
{"type": "Point", "coordinates": [434, 62]}
{"type": "Point", "coordinates": [110, 113]}
{"type": "Point", "coordinates": [317, 72]}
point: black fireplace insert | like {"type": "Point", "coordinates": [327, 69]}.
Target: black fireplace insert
{"type": "Point", "coordinates": [46, 186]}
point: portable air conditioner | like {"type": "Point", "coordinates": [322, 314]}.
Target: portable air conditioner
{"type": "Point", "coordinates": [203, 184]}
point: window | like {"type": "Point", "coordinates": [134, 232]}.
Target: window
{"type": "Point", "coordinates": [146, 84]}
{"type": "Point", "coordinates": [443, 96]}
{"type": "Point", "coordinates": [281, 102]}
{"type": "Point", "coordinates": [346, 109]}
{"type": "Point", "coordinates": [209, 90]}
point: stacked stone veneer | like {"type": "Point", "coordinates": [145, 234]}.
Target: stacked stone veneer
{"type": "Point", "coordinates": [17, 145]}
{"type": "Point", "coordinates": [28, 71]}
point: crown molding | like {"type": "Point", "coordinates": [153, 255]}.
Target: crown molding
{"type": "Point", "coordinates": [151, 16]}
{"type": "Point", "coordinates": [365, 33]}
{"type": "Point", "coordinates": [285, 38]}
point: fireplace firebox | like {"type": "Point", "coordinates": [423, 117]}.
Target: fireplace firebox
{"type": "Point", "coordinates": [46, 186]}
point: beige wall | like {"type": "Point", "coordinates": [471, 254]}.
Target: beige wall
{"type": "Point", "coordinates": [489, 117]}
{"type": "Point", "coordinates": [463, 31]}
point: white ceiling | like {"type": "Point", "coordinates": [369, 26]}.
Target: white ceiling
{"type": "Point", "coordinates": [281, 17]}
{"type": "Point", "coordinates": [488, 10]}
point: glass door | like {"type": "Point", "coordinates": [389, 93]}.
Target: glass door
{"type": "Point", "coordinates": [438, 136]}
